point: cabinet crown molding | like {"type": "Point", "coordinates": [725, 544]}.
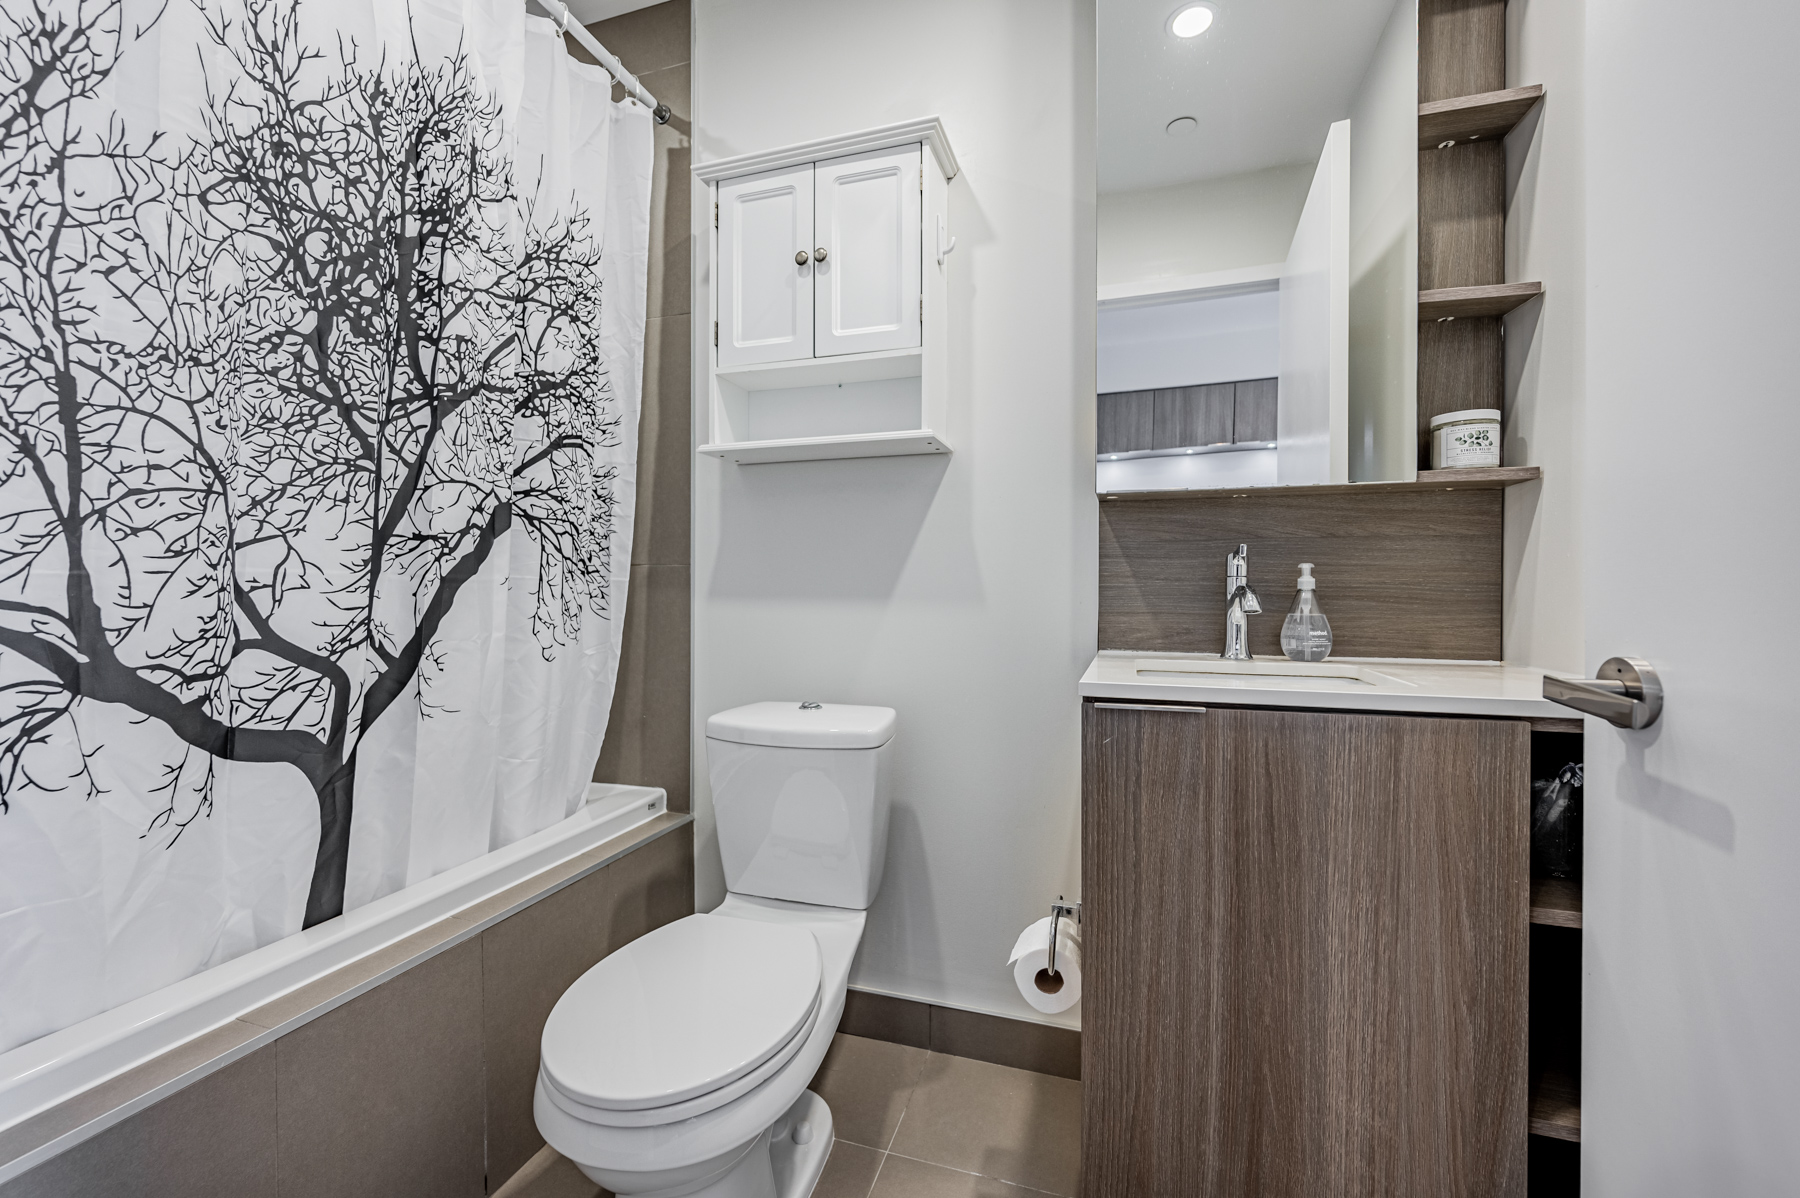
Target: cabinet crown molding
{"type": "Point", "coordinates": [929, 130]}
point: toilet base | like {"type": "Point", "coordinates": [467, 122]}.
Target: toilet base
{"type": "Point", "coordinates": [783, 1162]}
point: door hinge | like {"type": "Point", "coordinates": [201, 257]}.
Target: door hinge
{"type": "Point", "coordinates": [715, 214]}
{"type": "Point", "coordinates": [921, 307]}
{"type": "Point", "coordinates": [715, 334]}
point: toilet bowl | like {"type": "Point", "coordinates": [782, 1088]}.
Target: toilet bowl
{"type": "Point", "coordinates": [679, 1064]}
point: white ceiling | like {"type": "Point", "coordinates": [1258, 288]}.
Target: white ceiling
{"type": "Point", "coordinates": [1264, 82]}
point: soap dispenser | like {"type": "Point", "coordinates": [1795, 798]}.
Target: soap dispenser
{"type": "Point", "coordinates": [1306, 633]}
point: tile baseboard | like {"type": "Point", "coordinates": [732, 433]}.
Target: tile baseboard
{"type": "Point", "coordinates": [995, 1039]}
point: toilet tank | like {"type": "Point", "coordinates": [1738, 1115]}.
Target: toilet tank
{"type": "Point", "coordinates": [800, 795]}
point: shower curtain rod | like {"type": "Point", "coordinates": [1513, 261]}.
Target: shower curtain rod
{"type": "Point", "coordinates": [566, 23]}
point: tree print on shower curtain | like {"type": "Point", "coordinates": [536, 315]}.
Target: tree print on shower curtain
{"type": "Point", "coordinates": [272, 394]}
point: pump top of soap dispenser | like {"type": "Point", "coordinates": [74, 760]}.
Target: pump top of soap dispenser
{"type": "Point", "coordinates": [1306, 582]}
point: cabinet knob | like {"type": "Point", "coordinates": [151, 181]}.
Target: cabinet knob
{"type": "Point", "coordinates": [800, 258]}
{"type": "Point", "coordinates": [819, 254]}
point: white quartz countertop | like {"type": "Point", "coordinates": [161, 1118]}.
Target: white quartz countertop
{"type": "Point", "coordinates": [1347, 684]}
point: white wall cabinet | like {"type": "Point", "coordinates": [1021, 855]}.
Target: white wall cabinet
{"type": "Point", "coordinates": [830, 262]}
{"type": "Point", "coordinates": [866, 287]}
{"type": "Point", "coordinates": [765, 267]}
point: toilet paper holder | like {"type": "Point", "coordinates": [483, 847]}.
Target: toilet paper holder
{"type": "Point", "coordinates": [1058, 909]}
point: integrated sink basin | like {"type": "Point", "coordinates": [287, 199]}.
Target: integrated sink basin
{"type": "Point", "coordinates": [1266, 671]}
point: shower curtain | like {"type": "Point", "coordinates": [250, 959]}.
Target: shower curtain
{"type": "Point", "coordinates": [321, 333]}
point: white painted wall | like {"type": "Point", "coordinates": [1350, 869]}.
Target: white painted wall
{"type": "Point", "coordinates": [960, 591]}
{"type": "Point", "coordinates": [1691, 1020]}
{"type": "Point", "coordinates": [1186, 343]}
{"type": "Point", "coordinates": [1197, 228]}
{"type": "Point", "coordinates": [1384, 256]}
{"type": "Point", "coordinates": [1312, 423]}
{"type": "Point", "coordinates": [1546, 242]}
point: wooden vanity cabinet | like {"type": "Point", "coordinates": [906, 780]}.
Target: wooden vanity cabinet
{"type": "Point", "coordinates": [1305, 942]}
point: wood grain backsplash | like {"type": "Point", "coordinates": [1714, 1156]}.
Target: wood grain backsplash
{"type": "Point", "coordinates": [1402, 574]}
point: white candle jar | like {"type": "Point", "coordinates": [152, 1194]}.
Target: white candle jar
{"type": "Point", "coordinates": [1467, 438]}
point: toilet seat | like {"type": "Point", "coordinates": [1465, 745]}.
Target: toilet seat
{"type": "Point", "coordinates": [714, 1007]}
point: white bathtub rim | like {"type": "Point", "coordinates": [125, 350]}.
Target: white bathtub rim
{"type": "Point", "coordinates": [40, 1074]}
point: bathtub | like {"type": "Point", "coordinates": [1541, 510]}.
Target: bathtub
{"type": "Point", "coordinates": [56, 1067]}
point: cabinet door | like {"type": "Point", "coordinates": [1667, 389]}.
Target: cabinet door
{"type": "Point", "coordinates": [1304, 941]}
{"type": "Point", "coordinates": [867, 288]}
{"type": "Point", "coordinates": [765, 304]}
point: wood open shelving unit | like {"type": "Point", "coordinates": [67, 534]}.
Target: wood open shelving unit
{"type": "Point", "coordinates": [1556, 1106]}
{"type": "Point", "coordinates": [1556, 902]}
{"type": "Point", "coordinates": [1466, 111]}
{"type": "Point", "coordinates": [1470, 118]}
{"type": "Point", "coordinates": [1494, 299]}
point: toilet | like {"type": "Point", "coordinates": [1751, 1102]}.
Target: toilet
{"type": "Point", "coordinates": [679, 1064]}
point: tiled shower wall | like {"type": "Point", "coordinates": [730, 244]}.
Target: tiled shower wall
{"type": "Point", "coordinates": [419, 1087]}
{"type": "Point", "coordinates": [647, 734]}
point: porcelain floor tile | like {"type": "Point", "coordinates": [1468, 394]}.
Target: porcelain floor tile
{"type": "Point", "coordinates": [866, 1084]}
{"type": "Point", "coordinates": [995, 1121]}
{"type": "Point", "coordinates": [850, 1172]}
{"type": "Point", "coordinates": [903, 1177]}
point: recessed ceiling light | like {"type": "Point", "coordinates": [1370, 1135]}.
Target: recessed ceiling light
{"type": "Point", "coordinates": [1191, 20]}
{"type": "Point", "coordinates": [1182, 126]}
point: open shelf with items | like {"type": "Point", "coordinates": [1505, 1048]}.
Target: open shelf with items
{"type": "Point", "coordinates": [1491, 115]}
{"type": "Point", "coordinates": [828, 262]}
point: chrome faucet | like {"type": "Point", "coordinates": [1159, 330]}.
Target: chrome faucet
{"type": "Point", "coordinates": [1240, 604]}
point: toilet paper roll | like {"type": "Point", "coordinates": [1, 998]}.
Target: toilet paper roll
{"type": "Point", "coordinates": [1032, 953]}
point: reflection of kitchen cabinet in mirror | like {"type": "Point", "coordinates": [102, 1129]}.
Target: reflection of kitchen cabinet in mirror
{"type": "Point", "coordinates": [828, 271]}
{"type": "Point", "coordinates": [1180, 438]}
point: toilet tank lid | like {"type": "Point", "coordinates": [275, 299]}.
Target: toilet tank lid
{"type": "Point", "coordinates": [804, 725]}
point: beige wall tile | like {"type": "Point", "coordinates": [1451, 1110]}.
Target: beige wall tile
{"type": "Point", "coordinates": [1015, 1042]}
{"type": "Point", "coordinates": [41, 1129]}
{"type": "Point", "coordinates": [651, 887]}
{"type": "Point", "coordinates": [999, 1122]}
{"type": "Point", "coordinates": [528, 960]}
{"type": "Point", "coordinates": [213, 1139]}
{"type": "Point", "coordinates": [648, 39]}
{"type": "Point", "coordinates": [660, 534]}
{"type": "Point", "coordinates": [647, 731]}
{"type": "Point", "coordinates": [383, 1096]}
{"type": "Point", "coordinates": [671, 237]}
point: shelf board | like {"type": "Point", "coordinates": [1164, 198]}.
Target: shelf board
{"type": "Point", "coordinates": [1495, 299]}
{"type": "Point", "coordinates": [1467, 479]}
{"type": "Point", "coordinates": [1467, 118]}
{"type": "Point", "coordinates": [822, 372]}
{"type": "Point", "coordinates": [816, 449]}
{"type": "Point", "coordinates": [1556, 901]}
{"type": "Point", "coordinates": [1556, 1106]}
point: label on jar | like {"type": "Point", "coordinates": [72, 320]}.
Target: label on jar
{"type": "Point", "coordinates": [1475, 443]}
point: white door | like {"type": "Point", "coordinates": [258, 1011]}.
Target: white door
{"type": "Point", "coordinates": [867, 283]}
{"type": "Point", "coordinates": [1312, 438]}
{"type": "Point", "coordinates": [765, 293]}
{"type": "Point", "coordinates": [1690, 559]}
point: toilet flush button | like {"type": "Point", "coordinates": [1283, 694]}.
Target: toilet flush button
{"type": "Point", "coordinates": [803, 1132]}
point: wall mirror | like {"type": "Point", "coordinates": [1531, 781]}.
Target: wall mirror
{"type": "Point", "coordinates": [1258, 243]}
